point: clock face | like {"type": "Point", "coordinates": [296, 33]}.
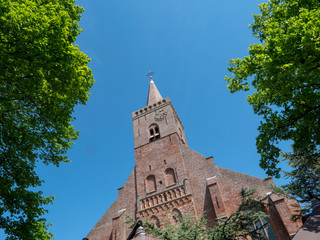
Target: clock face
{"type": "Point", "coordinates": [160, 115]}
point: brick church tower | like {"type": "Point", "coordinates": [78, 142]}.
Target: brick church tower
{"type": "Point", "coordinates": [170, 178]}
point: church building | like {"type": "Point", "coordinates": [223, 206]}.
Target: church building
{"type": "Point", "coordinates": [169, 179]}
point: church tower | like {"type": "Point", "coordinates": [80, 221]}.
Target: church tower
{"type": "Point", "coordinates": [170, 179]}
{"type": "Point", "coordinates": [161, 176]}
{"type": "Point", "coordinates": [158, 113]}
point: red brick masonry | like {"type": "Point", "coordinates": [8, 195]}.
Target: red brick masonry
{"type": "Point", "coordinates": [170, 178]}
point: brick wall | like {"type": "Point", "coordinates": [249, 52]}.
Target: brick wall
{"type": "Point", "coordinates": [196, 184]}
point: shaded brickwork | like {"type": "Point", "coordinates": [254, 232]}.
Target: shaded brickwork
{"type": "Point", "coordinates": [170, 178]}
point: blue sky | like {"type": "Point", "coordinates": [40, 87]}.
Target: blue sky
{"type": "Point", "coordinates": [188, 45]}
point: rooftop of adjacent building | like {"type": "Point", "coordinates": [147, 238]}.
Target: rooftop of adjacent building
{"type": "Point", "coordinates": [311, 228]}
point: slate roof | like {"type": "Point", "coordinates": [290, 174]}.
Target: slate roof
{"type": "Point", "coordinates": [310, 230]}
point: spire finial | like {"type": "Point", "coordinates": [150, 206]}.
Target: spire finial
{"type": "Point", "coordinates": [150, 74]}
{"type": "Point", "coordinates": [153, 95]}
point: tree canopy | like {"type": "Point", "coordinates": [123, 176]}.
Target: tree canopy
{"type": "Point", "coordinates": [248, 220]}
{"type": "Point", "coordinates": [304, 181]}
{"type": "Point", "coordinates": [187, 228]}
{"type": "Point", "coordinates": [283, 72]}
{"type": "Point", "coordinates": [43, 75]}
{"type": "Point", "coordinates": [304, 176]}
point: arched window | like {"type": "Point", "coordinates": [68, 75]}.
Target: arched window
{"type": "Point", "coordinates": [261, 228]}
{"type": "Point", "coordinates": [150, 184]}
{"type": "Point", "coordinates": [170, 177]}
{"type": "Point", "coordinates": [154, 132]}
{"type": "Point", "coordinates": [176, 215]}
{"type": "Point", "coordinates": [155, 220]}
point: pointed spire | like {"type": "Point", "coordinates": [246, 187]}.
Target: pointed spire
{"type": "Point", "coordinates": [154, 95]}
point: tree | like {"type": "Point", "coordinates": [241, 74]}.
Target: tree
{"type": "Point", "coordinates": [240, 224]}
{"type": "Point", "coordinates": [43, 75]}
{"type": "Point", "coordinates": [285, 71]}
{"type": "Point", "coordinates": [187, 228]}
{"type": "Point", "coordinates": [304, 176]}
{"type": "Point", "coordinates": [248, 220]}
{"type": "Point", "coordinates": [304, 182]}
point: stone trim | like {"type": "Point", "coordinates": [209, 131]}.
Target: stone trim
{"type": "Point", "coordinates": [143, 111]}
{"type": "Point", "coordinates": [165, 205]}
{"type": "Point", "coordinates": [161, 198]}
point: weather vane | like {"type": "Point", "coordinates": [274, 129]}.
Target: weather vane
{"type": "Point", "coordinates": [150, 74]}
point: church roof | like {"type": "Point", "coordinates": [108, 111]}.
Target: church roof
{"type": "Point", "coordinates": [154, 95]}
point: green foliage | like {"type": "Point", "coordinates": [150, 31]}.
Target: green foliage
{"type": "Point", "coordinates": [304, 179]}
{"type": "Point", "coordinates": [42, 77]}
{"type": "Point", "coordinates": [187, 228]}
{"type": "Point", "coordinates": [285, 66]}
{"type": "Point", "coordinates": [238, 225]}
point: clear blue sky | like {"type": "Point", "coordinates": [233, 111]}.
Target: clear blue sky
{"type": "Point", "coordinates": [187, 44]}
